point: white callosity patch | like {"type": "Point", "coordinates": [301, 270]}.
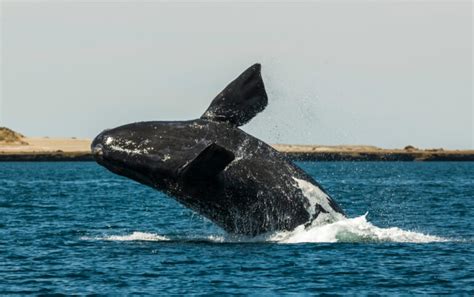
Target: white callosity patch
{"type": "Point", "coordinates": [316, 197]}
{"type": "Point", "coordinates": [121, 145]}
{"type": "Point", "coordinates": [130, 147]}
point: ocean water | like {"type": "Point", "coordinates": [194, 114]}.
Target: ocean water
{"type": "Point", "coordinates": [75, 228]}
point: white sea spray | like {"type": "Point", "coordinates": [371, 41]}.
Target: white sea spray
{"type": "Point", "coordinates": [356, 229]}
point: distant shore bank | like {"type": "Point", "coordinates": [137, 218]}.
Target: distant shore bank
{"type": "Point", "coordinates": [71, 149]}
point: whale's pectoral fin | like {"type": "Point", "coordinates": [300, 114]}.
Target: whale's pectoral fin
{"type": "Point", "coordinates": [241, 100]}
{"type": "Point", "coordinates": [210, 162]}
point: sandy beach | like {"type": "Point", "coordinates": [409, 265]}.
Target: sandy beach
{"type": "Point", "coordinates": [371, 153]}
{"type": "Point", "coordinates": [16, 147]}
{"type": "Point", "coordinates": [47, 145]}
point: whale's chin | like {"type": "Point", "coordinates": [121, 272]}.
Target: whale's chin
{"type": "Point", "coordinates": [116, 167]}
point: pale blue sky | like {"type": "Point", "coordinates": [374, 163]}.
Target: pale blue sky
{"type": "Point", "coordinates": [380, 73]}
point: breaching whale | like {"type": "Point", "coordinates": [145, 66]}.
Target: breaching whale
{"type": "Point", "coordinates": [211, 166]}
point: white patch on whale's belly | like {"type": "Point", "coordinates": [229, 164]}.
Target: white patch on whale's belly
{"type": "Point", "coordinates": [315, 197]}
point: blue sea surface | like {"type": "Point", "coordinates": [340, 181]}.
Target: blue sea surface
{"type": "Point", "coordinates": [75, 228]}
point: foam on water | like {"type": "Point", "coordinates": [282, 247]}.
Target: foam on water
{"type": "Point", "coordinates": [135, 236]}
{"type": "Point", "coordinates": [352, 230]}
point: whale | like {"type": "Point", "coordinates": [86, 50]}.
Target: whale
{"type": "Point", "coordinates": [216, 169]}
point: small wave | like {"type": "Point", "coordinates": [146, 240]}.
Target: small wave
{"type": "Point", "coordinates": [135, 236]}
{"type": "Point", "coordinates": [356, 229]}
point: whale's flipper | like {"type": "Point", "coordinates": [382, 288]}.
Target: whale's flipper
{"type": "Point", "coordinates": [210, 162]}
{"type": "Point", "coordinates": [241, 100]}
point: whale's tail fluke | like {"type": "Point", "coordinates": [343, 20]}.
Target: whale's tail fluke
{"type": "Point", "coordinates": [241, 100]}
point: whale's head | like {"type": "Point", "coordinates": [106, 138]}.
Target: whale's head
{"type": "Point", "coordinates": [149, 152]}
{"type": "Point", "coordinates": [159, 153]}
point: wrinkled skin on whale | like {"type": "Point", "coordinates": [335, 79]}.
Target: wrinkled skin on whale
{"type": "Point", "coordinates": [213, 167]}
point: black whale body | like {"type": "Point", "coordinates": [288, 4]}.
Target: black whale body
{"type": "Point", "coordinates": [211, 166]}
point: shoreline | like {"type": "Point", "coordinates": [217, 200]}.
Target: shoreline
{"type": "Point", "coordinates": [71, 149]}
{"type": "Point", "coordinates": [321, 157]}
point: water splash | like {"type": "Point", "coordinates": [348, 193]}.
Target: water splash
{"type": "Point", "coordinates": [356, 229]}
{"type": "Point", "coordinates": [331, 226]}
{"type": "Point", "coordinates": [353, 230]}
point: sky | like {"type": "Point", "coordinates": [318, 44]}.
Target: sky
{"type": "Point", "coordinates": [389, 73]}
